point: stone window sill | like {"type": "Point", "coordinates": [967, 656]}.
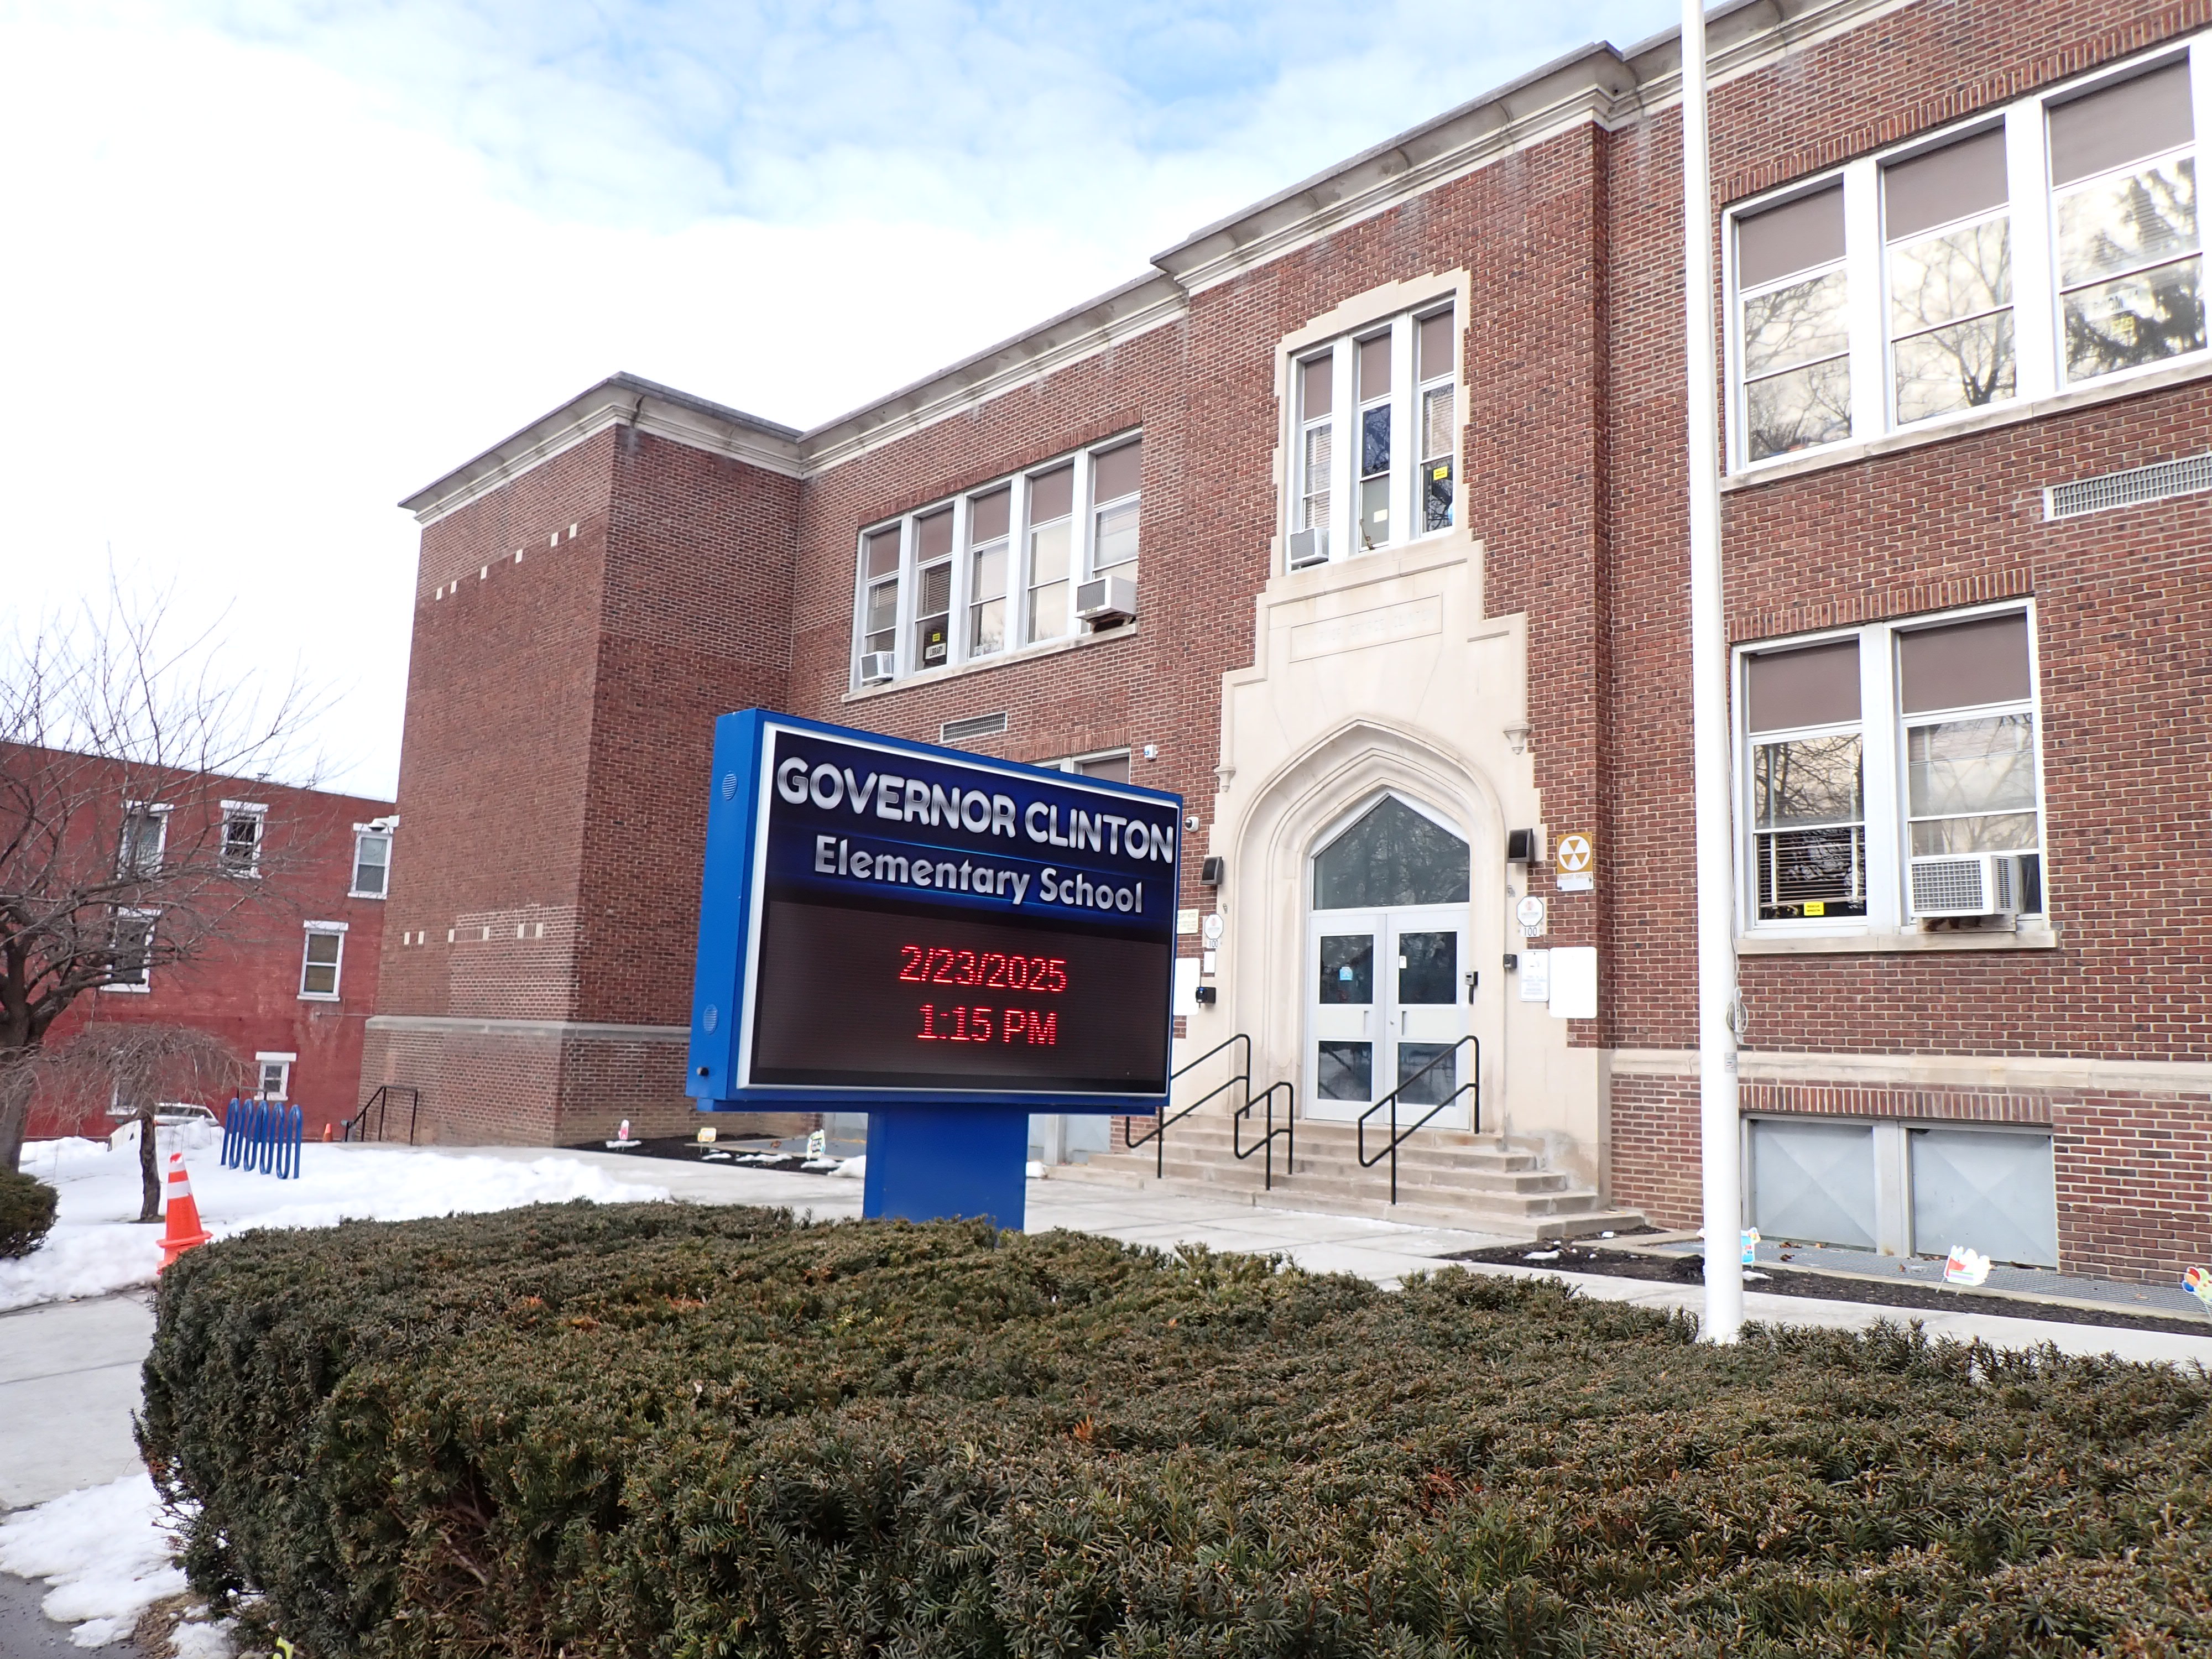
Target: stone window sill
{"type": "Point", "coordinates": [2032, 936]}
{"type": "Point", "coordinates": [2125, 385]}
{"type": "Point", "coordinates": [1004, 659]}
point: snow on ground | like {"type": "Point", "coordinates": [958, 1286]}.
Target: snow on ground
{"type": "Point", "coordinates": [106, 1549]}
{"type": "Point", "coordinates": [105, 1552]}
{"type": "Point", "coordinates": [97, 1246]}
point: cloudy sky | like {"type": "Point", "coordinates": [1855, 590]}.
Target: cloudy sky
{"type": "Point", "coordinates": [273, 263]}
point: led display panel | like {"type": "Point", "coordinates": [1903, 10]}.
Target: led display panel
{"type": "Point", "coordinates": [885, 920]}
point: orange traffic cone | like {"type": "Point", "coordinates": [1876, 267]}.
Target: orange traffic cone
{"type": "Point", "coordinates": [183, 1215]}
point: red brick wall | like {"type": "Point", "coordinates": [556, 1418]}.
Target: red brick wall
{"type": "Point", "coordinates": [494, 756]}
{"type": "Point", "coordinates": [2134, 1201]}
{"type": "Point", "coordinates": [1654, 1121]}
{"type": "Point", "coordinates": [245, 988]}
{"type": "Point", "coordinates": [560, 711]}
{"type": "Point", "coordinates": [695, 622]}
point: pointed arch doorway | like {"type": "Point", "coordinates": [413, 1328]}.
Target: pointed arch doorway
{"type": "Point", "coordinates": [1388, 980]}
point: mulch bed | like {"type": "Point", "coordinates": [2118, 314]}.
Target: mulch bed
{"type": "Point", "coordinates": [1790, 1281]}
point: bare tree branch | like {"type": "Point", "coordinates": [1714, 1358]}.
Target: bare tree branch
{"type": "Point", "coordinates": [118, 855]}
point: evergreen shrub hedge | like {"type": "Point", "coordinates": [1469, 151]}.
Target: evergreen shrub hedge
{"type": "Point", "coordinates": [26, 1214]}
{"type": "Point", "coordinates": [663, 1430]}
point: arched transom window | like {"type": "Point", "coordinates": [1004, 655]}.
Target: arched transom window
{"type": "Point", "coordinates": [1391, 855]}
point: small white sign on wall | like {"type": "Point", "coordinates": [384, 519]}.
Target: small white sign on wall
{"type": "Point", "coordinates": [1574, 981]}
{"type": "Point", "coordinates": [1536, 976]}
{"type": "Point", "coordinates": [1186, 986]}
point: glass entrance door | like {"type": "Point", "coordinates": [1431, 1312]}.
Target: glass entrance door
{"type": "Point", "coordinates": [1387, 965]}
{"type": "Point", "coordinates": [1388, 997]}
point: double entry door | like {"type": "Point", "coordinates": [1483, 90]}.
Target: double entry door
{"type": "Point", "coordinates": [1386, 993]}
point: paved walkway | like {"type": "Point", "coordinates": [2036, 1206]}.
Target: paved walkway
{"type": "Point", "coordinates": [68, 1381]}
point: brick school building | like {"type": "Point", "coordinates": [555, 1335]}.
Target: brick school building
{"type": "Point", "coordinates": [1358, 519]}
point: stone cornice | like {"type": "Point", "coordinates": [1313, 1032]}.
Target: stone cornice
{"type": "Point", "coordinates": [556, 1029]}
{"type": "Point", "coordinates": [2032, 1074]}
{"type": "Point", "coordinates": [1136, 307]}
{"type": "Point", "coordinates": [618, 400]}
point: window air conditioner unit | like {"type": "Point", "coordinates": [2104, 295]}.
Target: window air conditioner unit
{"type": "Point", "coordinates": [877, 666]}
{"type": "Point", "coordinates": [1308, 547]}
{"type": "Point", "coordinates": [1965, 884]}
{"type": "Point", "coordinates": [1106, 600]}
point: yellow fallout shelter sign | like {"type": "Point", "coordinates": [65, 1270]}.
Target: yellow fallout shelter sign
{"type": "Point", "coordinates": [1577, 862]}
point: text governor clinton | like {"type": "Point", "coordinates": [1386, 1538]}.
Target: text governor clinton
{"type": "Point", "coordinates": [935, 924]}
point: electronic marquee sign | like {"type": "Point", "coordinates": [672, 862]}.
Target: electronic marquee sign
{"type": "Point", "coordinates": [886, 923]}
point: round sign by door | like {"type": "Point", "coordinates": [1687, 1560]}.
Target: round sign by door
{"type": "Point", "coordinates": [1529, 913]}
{"type": "Point", "coordinates": [1214, 925]}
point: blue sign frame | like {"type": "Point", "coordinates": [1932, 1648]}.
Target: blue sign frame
{"type": "Point", "coordinates": [816, 833]}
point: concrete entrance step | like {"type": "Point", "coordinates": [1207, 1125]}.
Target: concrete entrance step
{"type": "Point", "coordinates": [1416, 1207]}
{"type": "Point", "coordinates": [1482, 1182]}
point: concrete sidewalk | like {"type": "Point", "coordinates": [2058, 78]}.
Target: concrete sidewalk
{"type": "Point", "coordinates": [68, 1381]}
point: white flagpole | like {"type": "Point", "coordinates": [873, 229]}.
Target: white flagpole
{"type": "Point", "coordinates": [1720, 1122]}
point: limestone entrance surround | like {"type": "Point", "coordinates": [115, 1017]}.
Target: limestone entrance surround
{"type": "Point", "coordinates": [1373, 674]}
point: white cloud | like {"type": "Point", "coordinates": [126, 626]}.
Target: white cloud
{"type": "Point", "coordinates": [275, 265]}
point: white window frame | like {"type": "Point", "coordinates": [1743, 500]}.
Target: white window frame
{"type": "Point", "coordinates": [1082, 531]}
{"type": "Point", "coordinates": [324, 929]}
{"type": "Point", "coordinates": [262, 1063]}
{"type": "Point", "coordinates": [363, 833]}
{"type": "Point", "coordinates": [1404, 328]}
{"type": "Point", "coordinates": [236, 810]}
{"type": "Point", "coordinates": [133, 809]}
{"type": "Point", "coordinates": [1882, 783]}
{"type": "Point", "coordinates": [1079, 499]}
{"type": "Point", "coordinates": [1090, 570]}
{"type": "Point", "coordinates": [1301, 476]}
{"type": "Point", "coordinates": [152, 918]}
{"type": "Point", "coordinates": [2032, 208]}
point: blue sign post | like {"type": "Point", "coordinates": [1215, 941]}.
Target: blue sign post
{"type": "Point", "coordinates": [946, 942]}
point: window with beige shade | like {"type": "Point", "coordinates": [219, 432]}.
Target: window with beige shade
{"type": "Point", "coordinates": [1884, 761]}
{"type": "Point", "coordinates": [2027, 250]}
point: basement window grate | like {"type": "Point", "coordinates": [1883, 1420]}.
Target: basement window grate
{"type": "Point", "coordinates": [2185, 477]}
{"type": "Point", "coordinates": [976, 725]}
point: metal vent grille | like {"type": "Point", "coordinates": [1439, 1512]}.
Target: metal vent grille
{"type": "Point", "coordinates": [976, 725]}
{"type": "Point", "coordinates": [2185, 477]}
{"type": "Point", "coordinates": [1976, 885]}
{"type": "Point", "coordinates": [1952, 884]}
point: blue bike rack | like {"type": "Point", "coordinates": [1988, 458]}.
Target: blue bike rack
{"type": "Point", "coordinates": [263, 1135]}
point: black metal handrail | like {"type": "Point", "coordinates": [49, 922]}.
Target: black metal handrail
{"type": "Point", "coordinates": [1157, 1132]}
{"type": "Point", "coordinates": [357, 1127]}
{"type": "Point", "coordinates": [1288, 1131]}
{"type": "Point", "coordinates": [1473, 1085]}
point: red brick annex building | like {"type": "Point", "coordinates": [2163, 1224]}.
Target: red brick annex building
{"type": "Point", "coordinates": [1358, 519]}
{"type": "Point", "coordinates": [249, 910]}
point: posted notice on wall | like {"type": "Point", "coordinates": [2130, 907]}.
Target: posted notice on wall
{"type": "Point", "coordinates": [1574, 981]}
{"type": "Point", "coordinates": [1536, 976]}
